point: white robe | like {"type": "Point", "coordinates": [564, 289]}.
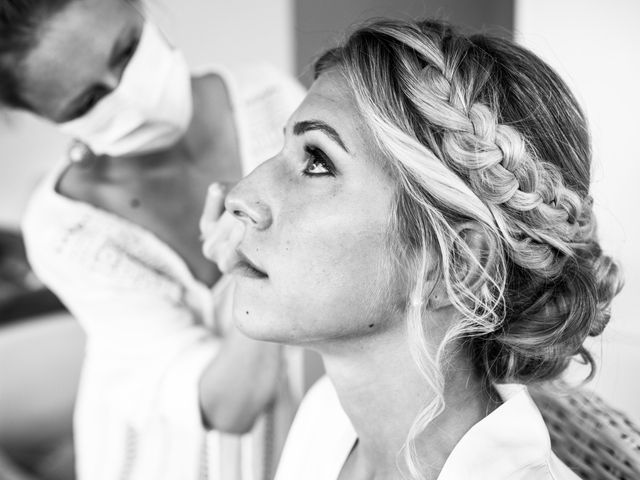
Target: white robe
{"type": "Point", "coordinates": [511, 443]}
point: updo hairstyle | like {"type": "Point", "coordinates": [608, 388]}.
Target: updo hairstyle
{"type": "Point", "coordinates": [479, 131]}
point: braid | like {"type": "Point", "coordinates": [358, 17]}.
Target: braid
{"type": "Point", "coordinates": [539, 215]}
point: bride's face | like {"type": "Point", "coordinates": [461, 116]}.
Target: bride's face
{"type": "Point", "coordinates": [317, 239]}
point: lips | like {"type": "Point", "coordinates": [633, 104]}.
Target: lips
{"type": "Point", "coordinates": [247, 268]}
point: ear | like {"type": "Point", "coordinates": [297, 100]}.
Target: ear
{"type": "Point", "coordinates": [476, 254]}
{"type": "Point", "coordinates": [473, 254]}
{"type": "Point", "coordinates": [439, 298]}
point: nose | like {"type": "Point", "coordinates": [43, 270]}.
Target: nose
{"type": "Point", "coordinates": [245, 204]}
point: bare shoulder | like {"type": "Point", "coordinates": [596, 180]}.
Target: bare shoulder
{"type": "Point", "coordinates": [105, 183]}
{"type": "Point", "coordinates": [79, 182]}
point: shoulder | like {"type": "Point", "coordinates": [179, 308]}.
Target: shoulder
{"type": "Point", "coordinates": [560, 471]}
{"type": "Point", "coordinates": [263, 99]}
{"type": "Point", "coordinates": [70, 243]}
{"type": "Point", "coordinates": [47, 215]}
{"type": "Point", "coordinates": [512, 442]}
{"type": "Point", "coordinates": [68, 188]}
{"type": "Point", "coordinates": [78, 183]}
{"type": "Point", "coordinates": [58, 212]}
{"type": "Point", "coordinates": [254, 83]}
{"type": "Point", "coordinates": [257, 83]}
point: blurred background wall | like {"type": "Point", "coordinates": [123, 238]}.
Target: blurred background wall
{"type": "Point", "coordinates": [594, 46]}
{"type": "Point", "coordinates": [319, 24]}
{"type": "Point", "coordinates": [592, 43]}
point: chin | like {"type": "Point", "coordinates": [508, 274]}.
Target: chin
{"type": "Point", "coordinates": [255, 318]}
{"type": "Point", "coordinates": [267, 322]}
{"type": "Point", "coordinates": [261, 326]}
{"type": "Point", "coordinates": [263, 312]}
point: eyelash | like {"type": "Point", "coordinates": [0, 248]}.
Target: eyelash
{"type": "Point", "coordinates": [313, 155]}
{"type": "Point", "coordinates": [129, 51]}
{"type": "Point", "coordinates": [89, 102]}
{"type": "Point", "coordinates": [92, 99]}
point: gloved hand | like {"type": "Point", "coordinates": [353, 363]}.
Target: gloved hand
{"type": "Point", "coordinates": [220, 231]}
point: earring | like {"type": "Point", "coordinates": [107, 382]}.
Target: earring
{"type": "Point", "coordinates": [80, 153]}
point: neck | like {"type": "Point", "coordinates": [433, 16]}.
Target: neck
{"type": "Point", "coordinates": [192, 141]}
{"type": "Point", "coordinates": [382, 391]}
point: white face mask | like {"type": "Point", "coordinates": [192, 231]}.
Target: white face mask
{"type": "Point", "coordinates": [149, 110]}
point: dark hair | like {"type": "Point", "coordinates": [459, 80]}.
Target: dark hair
{"type": "Point", "coordinates": [511, 141]}
{"type": "Point", "coordinates": [20, 24]}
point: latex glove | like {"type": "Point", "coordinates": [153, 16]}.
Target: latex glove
{"type": "Point", "coordinates": [220, 231]}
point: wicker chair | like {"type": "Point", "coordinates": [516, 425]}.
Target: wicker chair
{"type": "Point", "coordinates": [596, 441]}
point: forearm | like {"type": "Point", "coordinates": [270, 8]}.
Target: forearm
{"type": "Point", "coordinates": [239, 383]}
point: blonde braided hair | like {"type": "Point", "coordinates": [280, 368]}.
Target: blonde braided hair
{"type": "Point", "coordinates": [476, 129]}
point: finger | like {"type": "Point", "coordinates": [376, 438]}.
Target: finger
{"type": "Point", "coordinates": [210, 249]}
{"type": "Point", "coordinates": [222, 253]}
{"type": "Point", "coordinates": [221, 250]}
{"type": "Point", "coordinates": [231, 232]}
{"type": "Point", "coordinates": [228, 261]}
{"type": "Point", "coordinates": [213, 208]}
{"type": "Point", "coordinates": [236, 234]}
{"type": "Point", "coordinates": [222, 230]}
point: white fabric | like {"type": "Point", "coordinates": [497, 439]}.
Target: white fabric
{"type": "Point", "coordinates": [511, 443]}
{"type": "Point", "coordinates": [149, 322]}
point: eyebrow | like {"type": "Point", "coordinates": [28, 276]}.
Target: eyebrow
{"type": "Point", "coordinates": [126, 37]}
{"type": "Point", "coordinates": [309, 125]}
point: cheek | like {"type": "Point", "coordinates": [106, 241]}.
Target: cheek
{"type": "Point", "coordinates": [328, 276]}
{"type": "Point", "coordinates": [334, 262]}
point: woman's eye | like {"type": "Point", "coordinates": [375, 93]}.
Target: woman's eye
{"type": "Point", "coordinates": [90, 101]}
{"type": "Point", "coordinates": [317, 163]}
{"type": "Point", "coordinates": [128, 52]}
